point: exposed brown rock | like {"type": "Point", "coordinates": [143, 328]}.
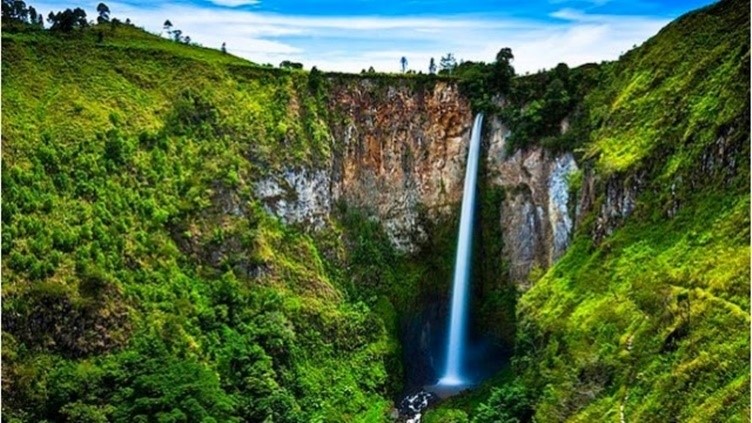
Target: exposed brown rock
{"type": "Point", "coordinates": [403, 148]}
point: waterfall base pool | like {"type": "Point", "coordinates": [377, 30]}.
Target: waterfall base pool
{"type": "Point", "coordinates": [445, 391]}
{"type": "Point", "coordinates": [451, 381]}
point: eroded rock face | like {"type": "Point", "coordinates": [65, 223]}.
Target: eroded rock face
{"type": "Point", "coordinates": [400, 153]}
{"type": "Point", "coordinates": [298, 196]}
{"type": "Point", "coordinates": [399, 150]}
{"type": "Point", "coordinates": [619, 202]}
{"type": "Point", "coordinates": [52, 320]}
{"type": "Point", "coordinates": [536, 219]}
{"type": "Point", "coordinates": [558, 204]}
{"type": "Point", "coordinates": [403, 148]}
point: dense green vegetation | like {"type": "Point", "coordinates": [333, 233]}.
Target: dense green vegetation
{"type": "Point", "coordinates": [538, 104]}
{"type": "Point", "coordinates": [651, 322]}
{"type": "Point", "coordinates": [143, 281]}
{"type": "Point", "coordinates": [143, 278]}
{"type": "Point", "coordinates": [656, 317]}
{"type": "Point", "coordinates": [483, 83]}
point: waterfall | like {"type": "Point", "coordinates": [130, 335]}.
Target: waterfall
{"type": "Point", "coordinates": [458, 314]}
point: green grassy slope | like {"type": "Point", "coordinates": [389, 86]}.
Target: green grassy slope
{"type": "Point", "coordinates": [141, 279]}
{"type": "Point", "coordinates": [674, 92]}
{"type": "Point", "coordinates": [652, 323]}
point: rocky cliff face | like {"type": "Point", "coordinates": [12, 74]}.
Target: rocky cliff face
{"type": "Point", "coordinates": [400, 151]}
{"type": "Point", "coordinates": [403, 149]}
{"type": "Point", "coordinates": [536, 219]}
{"type": "Point", "coordinates": [298, 196]}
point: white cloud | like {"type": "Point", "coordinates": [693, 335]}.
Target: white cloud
{"type": "Point", "coordinates": [571, 15]}
{"type": "Point", "coordinates": [593, 2]}
{"type": "Point", "coordinates": [346, 43]}
{"type": "Point", "coordinates": [234, 3]}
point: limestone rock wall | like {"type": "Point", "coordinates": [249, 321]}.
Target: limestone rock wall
{"type": "Point", "coordinates": [536, 218]}
{"type": "Point", "coordinates": [299, 196]}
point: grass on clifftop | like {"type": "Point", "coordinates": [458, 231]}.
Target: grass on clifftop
{"type": "Point", "coordinates": [674, 92]}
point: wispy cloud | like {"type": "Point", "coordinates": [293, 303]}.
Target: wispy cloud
{"type": "Point", "coordinates": [352, 43]}
{"type": "Point", "coordinates": [234, 3]}
{"type": "Point", "coordinates": [592, 2]}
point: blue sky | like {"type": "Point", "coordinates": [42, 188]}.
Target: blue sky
{"type": "Point", "coordinates": [353, 35]}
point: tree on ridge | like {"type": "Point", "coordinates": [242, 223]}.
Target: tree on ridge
{"type": "Point", "coordinates": [104, 13]}
{"type": "Point", "coordinates": [447, 64]}
{"type": "Point", "coordinates": [168, 27]}
{"type": "Point", "coordinates": [67, 20]}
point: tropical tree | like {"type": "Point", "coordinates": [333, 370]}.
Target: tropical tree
{"type": "Point", "coordinates": [403, 63]}
{"type": "Point", "coordinates": [67, 20]}
{"type": "Point", "coordinates": [447, 64]}
{"type": "Point", "coordinates": [503, 72]}
{"type": "Point", "coordinates": [15, 10]}
{"type": "Point", "coordinates": [290, 65]}
{"type": "Point", "coordinates": [432, 66]}
{"type": "Point", "coordinates": [104, 13]}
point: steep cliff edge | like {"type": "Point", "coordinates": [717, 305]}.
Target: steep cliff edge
{"type": "Point", "coordinates": [537, 221]}
{"type": "Point", "coordinates": [399, 149]}
{"type": "Point", "coordinates": [404, 149]}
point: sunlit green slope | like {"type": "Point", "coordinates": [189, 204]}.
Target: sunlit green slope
{"type": "Point", "coordinates": [130, 292]}
{"type": "Point", "coordinates": [649, 323]}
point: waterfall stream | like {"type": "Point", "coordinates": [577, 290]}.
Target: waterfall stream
{"type": "Point", "coordinates": [453, 373]}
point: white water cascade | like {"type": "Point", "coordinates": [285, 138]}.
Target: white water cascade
{"type": "Point", "coordinates": [453, 373]}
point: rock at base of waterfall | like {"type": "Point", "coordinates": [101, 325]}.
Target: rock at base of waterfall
{"type": "Point", "coordinates": [412, 406]}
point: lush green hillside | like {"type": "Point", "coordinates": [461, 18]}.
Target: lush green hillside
{"type": "Point", "coordinates": [143, 281]}
{"type": "Point", "coordinates": [650, 323]}
{"type": "Point", "coordinates": [140, 276]}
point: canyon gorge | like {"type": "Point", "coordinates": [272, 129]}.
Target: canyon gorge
{"type": "Point", "coordinates": [188, 236]}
